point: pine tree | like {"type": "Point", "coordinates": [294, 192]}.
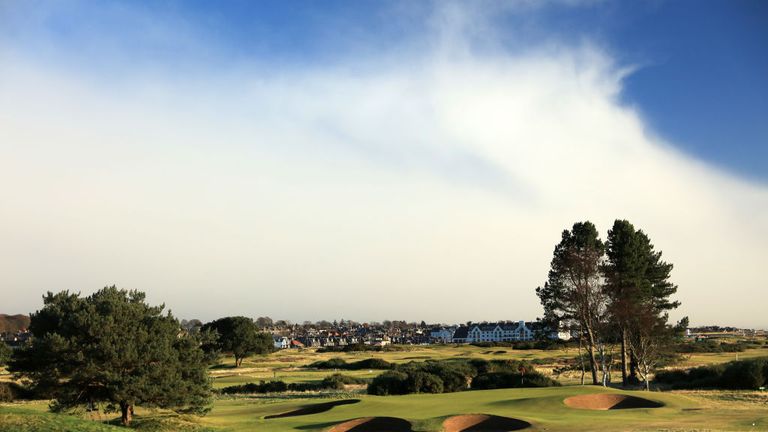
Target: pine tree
{"type": "Point", "coordinates": [112, 348]}
{"type": "Point", "coordinates": [573, 293]}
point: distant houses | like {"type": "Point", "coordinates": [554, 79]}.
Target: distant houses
{"type": "Point", "coordinates": [484, 332]}
{"type": "Point", "coordinates": [374, 334]}
{"type": "Point", "coordinates": [281, 342]}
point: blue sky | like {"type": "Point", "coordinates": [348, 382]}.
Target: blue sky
{"type": "Point", "coordinates": [700, 77]}
{"type": "Point", "coordinates": [302, 158]}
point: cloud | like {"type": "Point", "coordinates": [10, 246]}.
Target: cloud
{"type": "Point", "coordinates": [428, 185]}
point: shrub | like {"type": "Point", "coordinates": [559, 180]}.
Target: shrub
{"type": "Point", "coordinates": [338, 381]}
{"type": "Point", "coordinates": [423, 382]}
{"type": "Point", "coordinates": [389, 383]}
{"type": "Point", "coordinates": [745, 374]}
{"type": "Point", "coordinates": [372, 363]}
{"type": "Point", "coordinates": [339, 363]}
{"type": "Point", "coordinates": [334, 363]}
{"type": "Point", "coordinates": [497, 380]}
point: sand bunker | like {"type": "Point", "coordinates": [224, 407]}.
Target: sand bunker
{"type": "Point", "coordinates": [483, 423]}
{"type": "Point", "coordinates": [373, 424]}
{"type": "Point", "coordinates": [314, 408]}
{"type": "Point", "coordinates": [608, 401]}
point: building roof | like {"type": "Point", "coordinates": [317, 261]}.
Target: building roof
{"type": "Point", "coordinates": [461, 333]}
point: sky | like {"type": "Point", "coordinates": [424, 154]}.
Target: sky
{"type": "Point", "coordinates": [378, 160]}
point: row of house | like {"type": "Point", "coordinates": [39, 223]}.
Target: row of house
{"type": "Point", "coordinates": [485, 332]}
{"type": "Point", "coordinates": [283, 342]}
{"type": "Point", "coordinates": [471, 333]}
{"type": "Point", "coordinates": [490, 332]}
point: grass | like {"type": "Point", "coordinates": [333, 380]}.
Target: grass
{"type": "Point", "coordinates": [543, 407]}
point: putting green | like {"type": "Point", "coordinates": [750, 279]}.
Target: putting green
{"type": "Point", "coordinates": [543, 408]}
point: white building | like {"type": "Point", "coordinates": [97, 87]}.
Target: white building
{"type": "Point", "coordinates": [281, 342]}
{"type": "Point", "coordinates": [442, 334]}
{"type": "Point", "coordinates": [495, 332]}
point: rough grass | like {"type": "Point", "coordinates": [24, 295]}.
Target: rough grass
{"type": "Point", "coordinates": [33, 417]}
{"type": "Point", "coordinates": [543, 407]}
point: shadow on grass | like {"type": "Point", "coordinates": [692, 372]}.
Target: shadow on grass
{"type": "Point", "coordinates": [314, 408]}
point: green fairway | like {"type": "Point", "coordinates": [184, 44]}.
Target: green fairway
{"type": "Point", "coordinates": [542, 407]}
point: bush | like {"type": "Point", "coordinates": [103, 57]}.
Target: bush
{"type": "Point", "coordinates": [745, 374]}
{"type": "Point", "coordinates": [497, 380]}
{"type": "Point", "coordinates": [334, 363]}
{"type": "Point", "coordinates": [338, 381]}
{"type": "Point", "coordinates": [452, 375]}
{"type": "Point", "coordinates": [372, 363]}
{"type": "Point", "coordinates": [423, 382]}
{"type": "Point", "coordinates": [10, 392]}
{"type": "Point", "coordinates": [339, 363]}
{"type": "Point", "coordinates": [389, 383]}
{"type": "Point", "coordinates": [710, 346]}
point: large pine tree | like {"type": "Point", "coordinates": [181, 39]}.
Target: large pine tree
{"type": "Point", "coordinates": [573, 293]}
{"type": "Point", "coordinates": [111, 350]}
{"type": "Point", "coordinates": [638, 283]}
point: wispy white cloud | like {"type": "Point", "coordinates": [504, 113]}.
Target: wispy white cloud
{"type": "Point", "coordinates": [431, 185]}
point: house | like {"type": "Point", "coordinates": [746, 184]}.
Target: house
{"type": "Point", "coordinates": [493, 332]}
{"type": "Point", "coordinates": [281, 342]}
{"type": "Point", "coordinates": [460, 335]}
{"type": "Point", "coordinates": [442, 334]}
{"type": "Point", "coordinates": [563, 335]}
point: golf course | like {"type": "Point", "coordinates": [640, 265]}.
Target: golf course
{"type": "Point", "coordinates": [572, 407]}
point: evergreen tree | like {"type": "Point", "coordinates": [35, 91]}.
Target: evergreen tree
{"type": "Point", "coordinates": [573, 293]}
{"type": "Point", "coordinates": [637, 282]}
{"type": "Point", "coordinates": [5, 353]}
{"type": "Point", "coordinates": [240, 336]}
{"type": "Point", "coordinates": [113, 348]}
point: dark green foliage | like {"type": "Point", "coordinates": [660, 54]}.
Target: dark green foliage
{"type": "Point", "coordinates": [263, 387]}
{"type": "Point", "coordinates": [334, 363]}
{"type": "Point", "coordinates": [11, 391]}
{"type": "Point", "coordinates": [332, 382]}
{"type": "Point", "coordinates": [710, 346]}
{"type": "Point", "coordinates": [389, 383]}
{"type": "Point", "coordinates": [111, 347]}
{"type": "Point", "coordinates": [5, 353]}
{"type": "Point", "coordinates": [239, 336]}
{"type": "Point", "coordinates": [372, 363]}
{"type": "Point", "coordinates": [423, 382]}
{"type": "Point", "coordinates": [573, 295]}
{"type": "Point", "coordinates": [338, 381]}
{"type": "Point", "coordinates": [745, 374]}
{"type": "Point", "coordinates": [339, 363]}
{"type": "Point", "coordinates": [454, 375]}
{"type": "Point", "coordinates": [508, 379]}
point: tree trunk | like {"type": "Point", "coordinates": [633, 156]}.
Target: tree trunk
{"type": "Point", "coordinates": [238, 360]}
{"type": "Point", "coordinates": [632, 378]}
{"type": "Point", "coordinates": [623, 357]}
{"type": "Point", "coordinates": [581, 358]}
{"type": "Point", "coordinates": [126, 410]}
{"type": "Point", "coordinates": [591, 351]}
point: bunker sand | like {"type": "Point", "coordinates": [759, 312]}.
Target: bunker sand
{"type": "Point", "coordinates": [373, 424]}
{"type": "Point", "coordinates": [483, 423]}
